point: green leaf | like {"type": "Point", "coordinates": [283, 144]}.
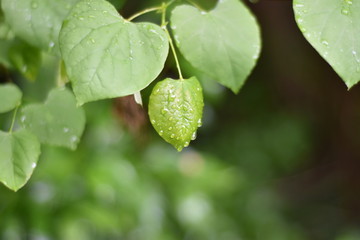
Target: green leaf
{"type": "Point", "coordinates": [223, 43]}
{"type": "Point", "coordinates": [19, 155]}
{"type": "Point", "coordinates": [56, 122]}
{"type": "Point", "coordinates": [117, 3]}
{"type": "Point", "coordinates": [37, 21]}
{"type": "Point", "coordinates": [175, 110]}
{"type": "Point", "coordinates": [333, 28]}
{"type": "Point", "coordinates": [10, 97]}
{"type": "Point", "coordinates": [25, 58]}
{"type": "Point", "coordinates": [106, 56]}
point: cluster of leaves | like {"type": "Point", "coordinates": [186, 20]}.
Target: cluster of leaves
{"type": "Point", "coordinates": [107, 56]}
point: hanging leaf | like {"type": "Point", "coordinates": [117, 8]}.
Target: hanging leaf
{"type": "Point", "coordinates": [223, 43]}
{"type": "Point", "coordinates": [175, 110]}
{"type": "Point", "coordinates": [106, 56]}
{"type": "Point", "coordinates": [333, 28]}
{"type": "Point", "coordinates": [37, 21]}
{"type": "Point", "coordinates": [56, 122]}
{"type": "Point", "coordinates": [19, 155]}
{"type": "Point", "coordinates": [10, 97]}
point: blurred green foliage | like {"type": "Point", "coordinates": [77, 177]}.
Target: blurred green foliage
{"type": "Point", "coordinates": [238, 181]}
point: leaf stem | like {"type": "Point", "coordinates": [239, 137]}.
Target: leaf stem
{"type": "Point", "coordinates": [13, 119]}
{"type": "Point", "coordinates": [143, 12]}
{"type": "Point", "coordinates": [164, 26]}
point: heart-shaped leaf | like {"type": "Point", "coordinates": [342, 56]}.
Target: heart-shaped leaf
{"type": "Point", "coordinates": [37, 21]}
{"type": "Point", "coordinates": [106, 56]}
{"type": "Point", "coordinates": [56, 122]}
{"type": "Point", "coordinates": [223, 43]}
{"type": "Point", "coordinates": [19, 155]}
{"type": "Point", "coordinates": [175, 110]}
{"type": "Point", "coordinates": [10, 97]}
{"type": "Point", "coordinates": [333, 28]}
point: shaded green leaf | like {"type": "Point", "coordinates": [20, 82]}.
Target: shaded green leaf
{"type": "Point", "coordinates": [333, 28]}
{"type": "Point", "coordinates": [37, 21]}
{"type": "Point", "coordinates": [19, 155]}
{"type": "Point", "coordinates": [106, 56]}
{"type": "Point", "coordinates": [117, 3]}
{"type": "Point", "coordinates": [223, 43]}
{"type": "Point", "coordinates": [175, 110]}
{"type": "Point", "coordinates": [10, 97]}
{"type": "Point", "coordinates": [56, 122]}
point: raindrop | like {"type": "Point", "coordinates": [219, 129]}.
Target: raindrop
{"type": "Point", "coordinates": [73, 139]}
{"type": "Point", "coordinates": [164, 111]}
{"type": "Point", "coordinates": [172, 136]}
{"type": "Point", "coordinates": [51, 44]}
{"type": "Point", "coordinates": [186, 144]}
{"type": "Point", "coordinates": [161, 132]}
{"type": "Point", "coordinates": [345, 11]}
{"type": "Point", "coordinates": [65, 129]}
{"type": "Point", "coordinates": [193, 137]}
{"type": "Point", "coordinates": [325, 43]}
{"type": "Point", "coordinates": [23, 118]}
{"type": "Point", "coordinates": [203, 12]}
{"type": "Point", "coordinates": [173, 27]}
{"type": "Point", "coordinates": [199, 123]}
{"type": "Point", "coordinates": [33, 165]}
{"type": "Point", "coordinates": [153, 121]}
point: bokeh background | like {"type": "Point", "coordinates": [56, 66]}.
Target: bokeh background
{"type": "Point", "coordinates": [278, 161]}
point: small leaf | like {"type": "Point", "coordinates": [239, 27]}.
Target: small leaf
{"type": "Point", "coordinates": [223, 43]}
{"type": "Point", "coordinates": [106, 56]}
{"type": "Point", "coordinates": [175, 110]}
{"type": "Point", "coordinates": [37, 21]}
{"type": "Point", "coordinates": [19, 155]}
{"type": "Point", "coordinates": [56, 122]}
{"type": "Point", "coordinates": [10, 97]}
{"type": "Point", "coordinates": [333, 28]}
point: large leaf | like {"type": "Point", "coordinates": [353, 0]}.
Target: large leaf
{"type": "Point", "coordinates": [56, 122]}
{"type": "Point", "coordinates": [19, 153]}
{"type": "Point", "coordinates": [175, 110]}
{"type": "Point", "coordinates": [106, 56]}
{"type": "Point", "coordinates": [223, 43]}
{"type": "Point", "coordinates": [10, 97]}
{"type": "Point", "coordinates": [37, 21]}
{"type": "Point", "coordinates": [333, 28]}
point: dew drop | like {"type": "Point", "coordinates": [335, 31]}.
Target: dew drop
{"type": "Point", "coordinates": [203, 12]}
{"type": "Point", "coordinates": [153, 121]}
{"type": "Point", "coordinates": [92, 40]}
{"type": "Point", "coordinates": [51, 44]}
{"type": "Point", "coordinates": [193, 137]}
{"type": "Point", "coordinates": [161, 132]}
{"type": "Point", "coordinates": [23, 118]}
{"type": "Point", "coordinates": [186, 144]}
{"type": "Point", "coordinates": [65, 129]}
{"type": "Point", "coordinates": [172, 136]}
{"type": "Point", "coordinates": [73, 139]}
{"type": "Point", "coordinates": [164, 110]}
{"type": "Point", "coordinates": [199, 123]}
{"type": "Point", "coordinates": [173, 27]}
{"type": "Point", "coordinates": [325, 43]}
{"type": "Point", "coordinates": [33, 165]}
{"type": "Point", "coordinates": [345, 11]}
